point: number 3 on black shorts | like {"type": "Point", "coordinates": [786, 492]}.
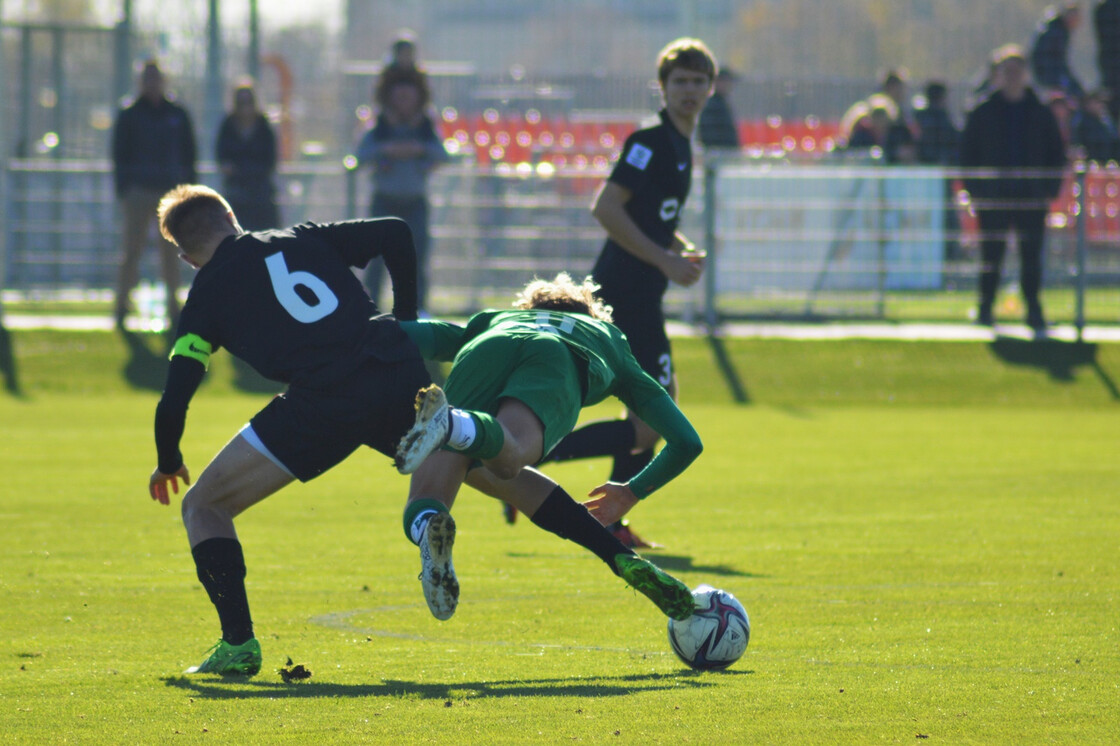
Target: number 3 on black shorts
{"type": "Point", "coordinates": [665, 377]}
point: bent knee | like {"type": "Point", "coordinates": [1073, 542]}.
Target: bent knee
{"type": "Point", "coordinates": [200, 500]}
{"type": "Point", "coordinates": [504, 470]}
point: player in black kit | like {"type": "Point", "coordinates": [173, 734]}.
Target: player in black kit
{"type": "Point", "coordinates": [639, 206]}
{"type": "Point", "coordinates": [288, 303]}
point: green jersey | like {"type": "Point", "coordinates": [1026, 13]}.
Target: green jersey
{"type": "Point", "coordinates": [604, 364]}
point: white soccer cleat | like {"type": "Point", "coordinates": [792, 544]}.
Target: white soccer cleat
{"type": "Point", "coordinates": [437, 574]}
{"type": "Point", "coordinates": [428, 433]}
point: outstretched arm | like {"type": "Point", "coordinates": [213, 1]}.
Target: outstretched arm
{"type": "Point", "coordinates": [682, 445]}
{"type": "Point", "coordinates": [612, 500]}
{"type": "Point", "coordinates": [184, 374]}
{"type": "Point", "coordinates": [437, 340]}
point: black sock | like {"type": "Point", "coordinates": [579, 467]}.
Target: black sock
{"type": "Point", "coordinates": [606, 438]}
{"type": "Point", "coordinates": [221, 569]}
{"type": "Point", "coordinates": [566, 518]}
{"type": "Point", "coordinates": [625, 468]}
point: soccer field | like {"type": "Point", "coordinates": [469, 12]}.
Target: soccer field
{"type": "Point", "coordinates": [925, 536]}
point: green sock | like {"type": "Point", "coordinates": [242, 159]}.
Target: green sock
{"type": "Point", "coordinates": [488, 437]}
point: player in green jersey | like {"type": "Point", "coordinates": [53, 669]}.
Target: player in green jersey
{"type": "Point", "coordinates": [517, 383]}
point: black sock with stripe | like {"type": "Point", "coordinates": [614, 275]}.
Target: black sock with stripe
{"type": "Point", "coordinates": [566, 518]}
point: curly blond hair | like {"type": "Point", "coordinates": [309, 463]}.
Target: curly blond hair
{"type": "Point", "coordinates": [563, 294]}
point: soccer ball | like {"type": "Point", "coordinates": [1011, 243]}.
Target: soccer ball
{"type": "Point", "coordinates": [716, 634]}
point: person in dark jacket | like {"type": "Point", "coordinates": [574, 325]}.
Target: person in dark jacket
{"type": "Point", "coordinates": [1106, 24]}
{"type": "Point", "coordinates": [403, 148]}
{"type": "Point", "coordinates": [1013, 141]}
{"type": "Point", "coordinates": [938, 135]}
{"type": "Point", "coordinates": [938, 143]}
{"type": "Point", "coordinates": [1050, 52]}
{"type": "Point", "coordinates": [246, 154]}
{"type": "Point", "coordinates": [717, 127]}
{"type": "Point", "coordinates": [1094, 129]}
{"type": "Point", "coordinates": [153, 150]}
{"type": "Point", "coordinates": [882, 128]}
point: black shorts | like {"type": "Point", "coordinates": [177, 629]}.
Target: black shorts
{"type": "Point", "coordinates": [309, 431]}
{"type": "Point", "coordinates": [648, 342]}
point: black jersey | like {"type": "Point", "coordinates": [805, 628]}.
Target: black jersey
{"type": "Point", "coordinates": [288, 303]}
{"type": "Point", "coordinates": [656, 167]}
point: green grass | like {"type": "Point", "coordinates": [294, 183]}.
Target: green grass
{"type": "Point", "coordinates": [924, 534]}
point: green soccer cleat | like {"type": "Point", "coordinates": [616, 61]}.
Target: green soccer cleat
{"type": "Point", "coordinates": [231, 660]}
{"type": "Point", "coordinates": [673, 597]}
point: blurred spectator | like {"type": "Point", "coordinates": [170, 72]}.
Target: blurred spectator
{"type": "Point", "coordinates": [980, 86]}
{"type": "Point", "coordinates": [153, 151]}
{"type": "Point", "coordinates": [881, 128]}
{"type": "Point", "coordinates": [1016, 136]}
{"type": "Point", "coordinates": [403, 147]}
{"type": "Point", "coordinates": [938, 143]}
{"type": "Point", "coordinates": [1063, 108]}
{"type": "Point", "coordinates": [938, 135]}
{"type": "Point", "coordinates": [895, 85]}
{"type": "Point", "coordinates": [717, 121]}
{"type": "Point", "coordinates": [1094, 130]}
{"type": "Point", "coordinates": [853, 120]}
{"type": "Point", "coordinates": [404, 58]}
{"type": "Point", "coordinates": [1106, 23]}
{"type": "Point", "coordinates": [1050, 53]}
{"type": "Point", "coordinates": [246, 154]}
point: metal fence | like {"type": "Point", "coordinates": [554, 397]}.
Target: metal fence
{"type": "Point", "coordinates": [825, 239]}
{"type": "Point", "coordinates": [895, 243]}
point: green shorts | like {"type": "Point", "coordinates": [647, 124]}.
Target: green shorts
{"type": "Point", "coordinates": [539, 372]}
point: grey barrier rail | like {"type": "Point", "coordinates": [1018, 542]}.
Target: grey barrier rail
{"type": "Point", "coordinates": [784, 240]}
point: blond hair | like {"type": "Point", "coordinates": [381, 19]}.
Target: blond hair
{"type": "Point", "coordinates": [190, 214]}
{"type": "Point", "coordinates": [563, 294]}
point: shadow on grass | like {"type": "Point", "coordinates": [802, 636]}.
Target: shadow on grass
{"type": "Point", "coordinates": [684, 563]}
{"type": "Point", "coordinates": [8, 363]}
{"type": "Point", "coordinates": [677, 562]}
{"type": "Point", "coordinates": [212, 687]}
{"type": "Point", "coordinates": [1059, 359]}
{"type": "Point", "coordinates": [727, 368]}
{"type": "Point", "coordinates": [146, 368]}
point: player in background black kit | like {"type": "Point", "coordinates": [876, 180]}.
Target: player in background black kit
{"type": "Point", "coordinates": [640, 206]}
{"type": "Point", "coordinates": [288, 303]}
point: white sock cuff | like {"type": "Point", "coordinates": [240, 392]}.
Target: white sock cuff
{"type": "Point", "coordinates": [462, 430]}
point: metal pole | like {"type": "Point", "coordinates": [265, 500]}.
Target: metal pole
{"type": "Point", "coordinates": [254, 61]}
{"type": "Point", "coordinates": [1082, 250]}
{"type": "Point", "coordinates": [58, 81]}
{"type": "Point", "coordinates": [123, 63]}
{"type": "Point", "coordinates": [23, 139]}
{"type": "Point", "coordinates": [17, 195]}
{"type": "Point", "coordinates": [711, 263]}
{"type": "Point", "coordinates": [213, 107]}
{"type": "Point", "coordinates": [4, 155]}
{"type": "Point", "coordinates": [350, 163]}
{"type": "Point", "coordinates": [881, 243]}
